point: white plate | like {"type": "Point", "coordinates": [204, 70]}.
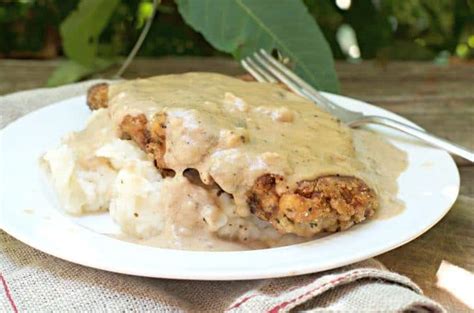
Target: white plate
{"type": "Point", "coordinates": [429, 187]}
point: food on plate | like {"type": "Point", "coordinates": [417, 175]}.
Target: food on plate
{"type": "Point", "coordinates": [210, 162]}
{"type": "Point", "coordinates": [97, 96]}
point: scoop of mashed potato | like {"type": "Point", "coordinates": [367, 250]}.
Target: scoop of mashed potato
{"type": "Point", "coordinates": [118, 177]}
{"type": "Point", "coordinates": [80, 188]}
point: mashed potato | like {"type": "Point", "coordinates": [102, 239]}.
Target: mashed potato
{"type": "Point", "coordinates": [80, 189]}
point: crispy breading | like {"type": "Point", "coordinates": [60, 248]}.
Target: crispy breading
{"type": "Point", "coordinates": [329, 203]}
{"type": "Point", "coordinates": [135, 128]}
{"type": "Point", "coordinates": [150, 137]}
{"type": "Point", "coordinates": [97, 96]}
{"type": "Point", "coordinates": [157, 143]}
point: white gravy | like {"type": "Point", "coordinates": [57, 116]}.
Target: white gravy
{"type": "Point", "coordinates": [235, 131]}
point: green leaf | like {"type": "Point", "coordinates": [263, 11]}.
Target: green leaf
{"type": "Point", "coordinates": [81, 29]}
{"type": "Point", "coordinates": [241, 27]}
{"type": "Point", "coordinates": [71, 71]}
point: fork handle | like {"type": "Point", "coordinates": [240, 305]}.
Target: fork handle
{"type": "Point", "coordinates": [415, 132]}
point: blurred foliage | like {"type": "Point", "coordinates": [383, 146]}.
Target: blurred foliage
{"type": "Point", "coordinates": [245, 26]}
{"type": "Point", "coordinates": [386, 29]}
{"type": "Point", "coordinates": [406, 30]}
{"type": "Point", "coordinates": [80, 31]}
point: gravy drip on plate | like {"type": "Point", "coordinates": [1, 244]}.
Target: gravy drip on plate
{"type": "Point", "coordinates": [384, 163]}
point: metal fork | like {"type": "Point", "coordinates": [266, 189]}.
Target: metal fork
{"type": "Point", "coordinates": [264, 68]}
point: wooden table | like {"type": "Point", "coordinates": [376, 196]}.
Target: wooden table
{"type": "Point", "coordinates": [439, 98]}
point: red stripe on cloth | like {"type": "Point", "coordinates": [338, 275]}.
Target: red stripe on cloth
{"type": "Point", "coordinates": [241, 302]}
{"type": "Point", "coordinates": [282, 305]}
{"type": "Point", "coordinates": [8, 294]}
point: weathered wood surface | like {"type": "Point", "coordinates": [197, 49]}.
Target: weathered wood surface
{"type": "Point", "coordinates": [439, 98]}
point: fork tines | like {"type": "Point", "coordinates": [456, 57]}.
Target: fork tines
{"type": "Point", "coordinates": [265, 68]}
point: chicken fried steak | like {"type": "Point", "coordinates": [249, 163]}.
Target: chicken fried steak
{"type": "Point", "coordinates": [323, 203]}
